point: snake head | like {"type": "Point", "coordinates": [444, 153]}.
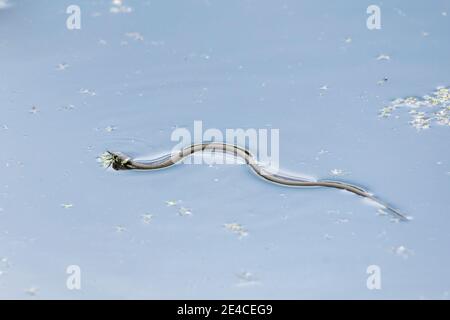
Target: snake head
{"type": "Point", "coordinates": [116, 160]}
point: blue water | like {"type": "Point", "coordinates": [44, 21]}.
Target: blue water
{"type": "Point", "coordinates": [127, 79]}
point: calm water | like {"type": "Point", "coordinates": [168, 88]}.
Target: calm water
{"type": "Point", "coordinates": [136, 71]}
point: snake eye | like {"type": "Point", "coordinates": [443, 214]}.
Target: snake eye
{"type": "Point", "coordinates": [115, 166]}
{"type": "Point", "coordinates": [119, 164]}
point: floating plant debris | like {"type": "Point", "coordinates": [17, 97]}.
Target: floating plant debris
{"type": "Point", "coordinates": [110, 128]}
{"type": "Point", "coordinates": [424, 111]}
{"type": "Point", "coordinates": [337, 172]}
{"type": "Point", "coordinates": [323, 89]}
{"type": "Point", "coordinates": [88, 92]}
{"type": "Point", "coordinates": [34, 110]}
{"type": "Point", "coordinates": [67, 107]}
{"type": "Point", "coordinates": [147, 218]}
{"type": "Point", "coordinates": [171, 203]}
{"type": "Point", "coordinates": [32, 291]}
{"type": "Point", "coordinates": [246, 279]}
{"type": "Point", "coordinates": [327, 237]}
{"type": "Point", "coordinates": [62, 66]}
{"type": "Point", "coordinates": [237, 229]}
{"type": "Point", "coordinates": [4, 262]}
{"type": "Point", "coordinates": [402, 251]}
{"type": "Point", "coordinates": [383, 57]}
{"type": "Point", "coordinates": [120, 229]}
{"type": "Point", "coordinates": [184, 212]}
{"type": "Point", "coordinates": [135, 36]}
{"type": "Point", "coordinates": [106, 159]}
{"type": "Point", "coordinates": [118, 7]}
{"type": "Point", "coordinates": [382, 81]}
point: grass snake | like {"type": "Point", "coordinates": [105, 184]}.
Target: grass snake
{"type": "Point", "coordinates": [120, 161]}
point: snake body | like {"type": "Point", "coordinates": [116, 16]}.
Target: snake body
{"type": "Point", "coordinates": [120, 161]}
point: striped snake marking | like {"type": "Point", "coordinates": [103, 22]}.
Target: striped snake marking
{"type": "Point", "coordinates": [120, 161]}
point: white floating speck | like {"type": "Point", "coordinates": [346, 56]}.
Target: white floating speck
{"type": "Point", "coordinates": [337, 172]}
{"type": "Point", "coordinates": [32, 291]}
{"type": "Point", "coordinates": [382, 81]}
{"type": "Point", "coordinates": [402, 251]}
{"type": "Point", "coordinates": [34, 110]}
{"type": "Point", "coordinates": [237, 229]}
{"type": "Point", "coordinates": [4, 262]}
{"type": "Point", "coordinates": [67, 205]}
{"type": "Point", "coordinates": [246, 279]}
{"type": "Point", "coordinates": [119, 7]}
{"type": "Point", "coordinates": [381, 212]}
{"type": "Point", "coordinates": [171, 203]}
{"type": "Point", "coordinates": [62, 66]}
{"type": "Point", "coordinates": [110, 128]}
{"type": "Point", "coordinates": [88, 92]}
{"type": "Point", "coordinates": [147, 218]}
{"type": "Point", "coordinates": [383, 57]}
{"type": "Point", "coordinates": [120, 229]}
{"type": "Point", "coordinates": [68, 107]}
{"type": "Point", "coordinates": [135, 36]}
{"type": "Point", "coordinates": [184, 212]}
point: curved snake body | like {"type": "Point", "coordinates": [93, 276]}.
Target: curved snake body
{"type": "Point", "coordinates": [120, 161]}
